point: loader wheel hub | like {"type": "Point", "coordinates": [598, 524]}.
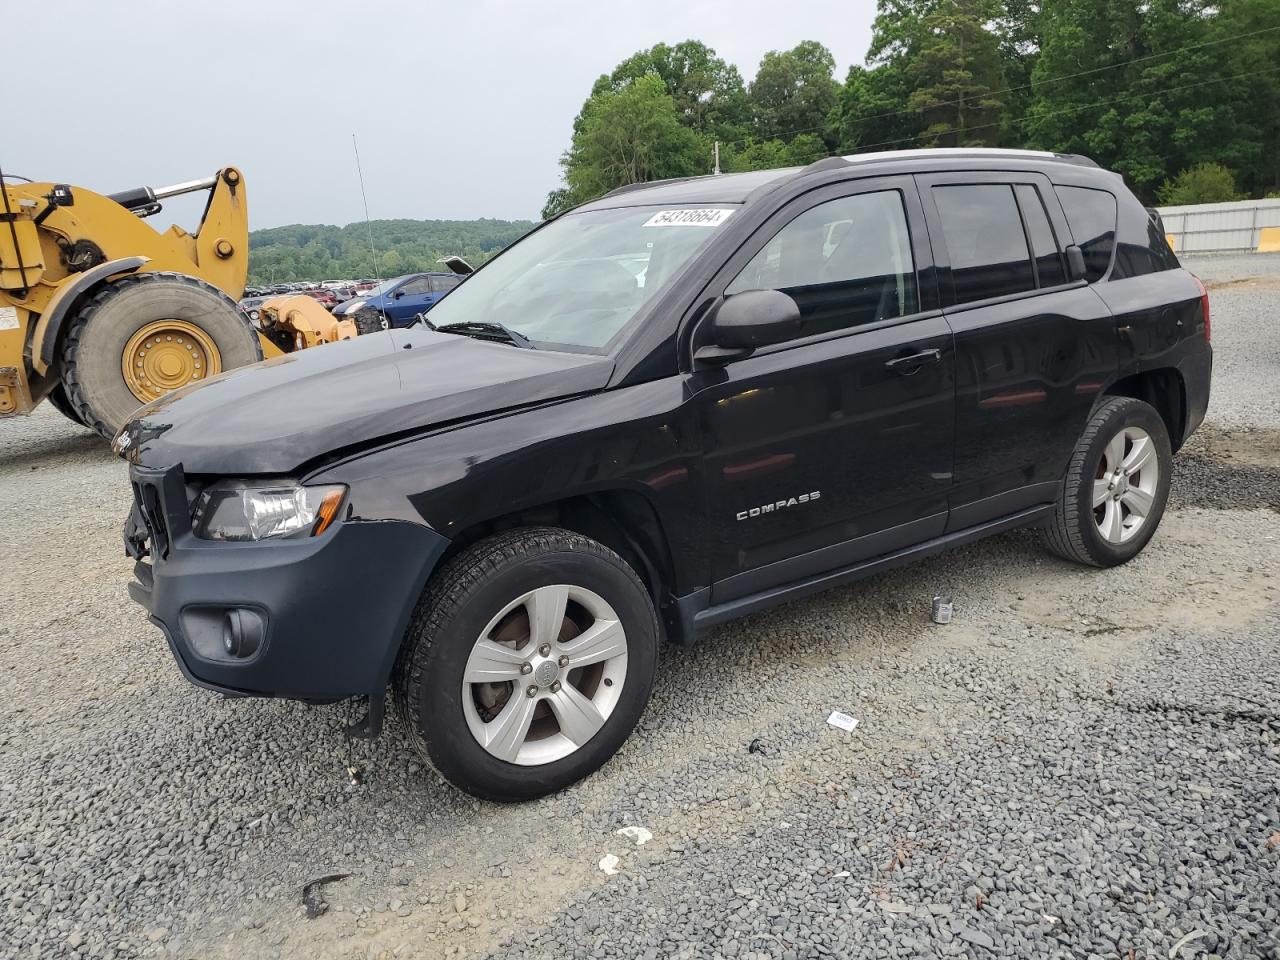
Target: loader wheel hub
{"type": "Point", "coordinates": [165, 355]}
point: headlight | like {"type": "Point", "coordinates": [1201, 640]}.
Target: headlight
{"type": "Point", "coordinates": [245, 510]}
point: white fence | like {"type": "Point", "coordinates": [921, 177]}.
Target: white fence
{"type": "Point", "coordinates": [1212, 227]}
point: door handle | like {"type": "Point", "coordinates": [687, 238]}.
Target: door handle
{"type": "Point", "coordinates": [914, 361]}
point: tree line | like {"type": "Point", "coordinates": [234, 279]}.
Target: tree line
{"type": "Point", "coordinates": [323, 252]}
{"type": "Point", "coordinates": [1182, 97]}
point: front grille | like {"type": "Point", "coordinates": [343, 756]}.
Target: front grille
{"type": "Point", "coordinates": [150, 507]}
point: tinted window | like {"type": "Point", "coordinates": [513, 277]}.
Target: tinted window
{"type": "Point", "coordinates": [1141, 246]}
{"type": "Point", "coordinates": [1044, 245]}
{"type": "Point", "coordinates": [413, 287]}
{"type": "Point", "coordinates": [1091, 214]}
{"type": "Point", "coordinates": [444, 283]}
{"type": "Point", "coordinates": [845, 262]}
{"type": "Point", "coordinates": [983, 232]}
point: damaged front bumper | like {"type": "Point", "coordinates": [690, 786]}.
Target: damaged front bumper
{"type": "Point", "coordinates": [317, 619]}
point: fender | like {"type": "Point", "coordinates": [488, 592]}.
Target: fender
{"type": "Point", "coordinates": [49, 326]}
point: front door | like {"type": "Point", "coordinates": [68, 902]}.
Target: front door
{"type": "Point", "coordinates": [834, 447]}
{"type": "Point", "coordinates": [410, 300]}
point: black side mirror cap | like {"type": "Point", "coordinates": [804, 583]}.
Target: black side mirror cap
{"type": "Point", "coordinates": [1075, 263]}
{"type": "Point", "coordinates": [745, 321]}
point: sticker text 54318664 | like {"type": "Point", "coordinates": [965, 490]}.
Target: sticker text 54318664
{"type": "Point", "coordinates": [688, 217]}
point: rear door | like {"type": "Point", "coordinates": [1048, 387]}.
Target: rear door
{"type": "Point", "coordinates": [440, 285]}
{"type": "Point", "coordinates": [1032, 348]}
{"type": "Point", "coordinates": [836, 446]}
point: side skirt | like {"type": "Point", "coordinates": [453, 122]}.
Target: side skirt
{"type": "Point", "coordinates": [696, 612]}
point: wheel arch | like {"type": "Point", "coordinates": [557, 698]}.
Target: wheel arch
{"type": "Point", "coordinates": [1165, 390]}
{"type": "Point", "coordinates": [47, 336]}
{"type": "Point", "coordinates": [624, 520]}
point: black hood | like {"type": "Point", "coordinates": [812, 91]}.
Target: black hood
{"type": "Point", "coordinates": [274, 416]}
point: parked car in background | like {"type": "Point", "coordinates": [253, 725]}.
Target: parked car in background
{"type": "Point", "coordinates": [251, 306]}
{"type": "Point", "coordinates": [397, 302]}
{"type": "Point", "coordinates": [326, 297]}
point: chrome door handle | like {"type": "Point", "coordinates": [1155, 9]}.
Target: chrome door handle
{"type": "Point", "coordinates": [913, 362]}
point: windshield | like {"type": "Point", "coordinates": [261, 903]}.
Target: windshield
{"type": "Point", "coordinates": [579, 280]}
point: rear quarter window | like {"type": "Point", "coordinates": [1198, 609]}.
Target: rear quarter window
{"type": "Point", "coordinates": [1091, 215]}
{"type": "Point", "coordinates": [1141, 247]}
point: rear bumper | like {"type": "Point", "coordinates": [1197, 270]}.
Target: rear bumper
{"type": "Point", "coordinates": [1197, 376]}
{"type": "Point", "coordinates": [333, 609]}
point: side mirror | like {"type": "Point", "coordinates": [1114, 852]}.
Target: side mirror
{"type": "Point", "coordinates": [1075, 263]}
{"type": "Point", "coordinates": [398, 294]}
{"type": "Point", "coordinates": [748, 320]}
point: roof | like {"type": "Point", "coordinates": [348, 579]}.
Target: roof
{"type": "Point", "coordinates": [724, 188]}
{"type": "Point", "coordinates": [738, 187]}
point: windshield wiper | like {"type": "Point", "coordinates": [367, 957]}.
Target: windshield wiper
{"type": "Point", "coordinates": [484, 330]}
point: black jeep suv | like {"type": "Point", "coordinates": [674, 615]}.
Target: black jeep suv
{"type": "Point", "coordinates": [675, 405]}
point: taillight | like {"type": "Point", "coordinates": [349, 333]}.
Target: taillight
{"type": "Point", "coordinates": [1204, 309]}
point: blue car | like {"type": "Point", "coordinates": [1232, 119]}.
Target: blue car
{"type": "Point", "coordinates": [397, 302]}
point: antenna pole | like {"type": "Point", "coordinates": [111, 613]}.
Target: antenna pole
{"type": "Point", "coordinates": [373, 250]}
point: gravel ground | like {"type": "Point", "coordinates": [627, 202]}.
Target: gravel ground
{"type": "Point", "coordinates": [1082, 764]}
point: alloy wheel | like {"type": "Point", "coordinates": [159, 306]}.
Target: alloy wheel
{"type": "Point", "coordinates": [1124, 486]}
{"type": "Point", "coordinates": [545, 675]}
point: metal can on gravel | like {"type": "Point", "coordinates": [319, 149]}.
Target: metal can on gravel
{"type": "Point", "coordinates": [941, 609]}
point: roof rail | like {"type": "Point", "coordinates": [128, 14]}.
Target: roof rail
{"type": "Point", "coordinates": [928, 152]}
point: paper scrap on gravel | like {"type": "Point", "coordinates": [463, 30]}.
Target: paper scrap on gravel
{"type": "Point", "coordinates": [842, 720]}
{"type": "Point", "coordinates": [609, 864]}
{"type": "Point", "coordinates": [640, 835]}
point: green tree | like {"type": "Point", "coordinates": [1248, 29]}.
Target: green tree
{"type": "Point", "coordinates": [869, 112]}
{"type": "Point", "coordinates": [628, 136]}
{"type": "Point", "coordinates": [1135, 87]}
{"type": "Point", "coordinates": [1203, 183]}
{"type": "Point", "coordinates": [1246, 35]}
{"type": "Point", "coordinates": [708, 92]}
{"type": "Point", "coordinates": [321, 252]}
{"type": "Point", "coordinates": [794, 92]}
{"type": "Point", "coordinates": [771, 154]}
{"type": "Point", "coordinates": [958, 77]}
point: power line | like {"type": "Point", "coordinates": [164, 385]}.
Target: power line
{"type": "Point", "coordinates": [1083, 106]}
{"type": "Point", "coordinates": [1027, 86]}
{"type": "Point", "coordinates": [1085, 73]}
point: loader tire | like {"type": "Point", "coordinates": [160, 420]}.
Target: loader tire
{"type": "Point", "coordinates": [60, 402]}
{"type": "Point", "coordinates": [175, 329]}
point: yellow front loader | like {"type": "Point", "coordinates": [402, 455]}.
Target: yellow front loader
{"type": "Point", "coordinates": [100, 313]}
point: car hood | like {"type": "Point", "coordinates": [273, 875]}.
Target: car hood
{"type": "Point", "coordinates": [275, 416]}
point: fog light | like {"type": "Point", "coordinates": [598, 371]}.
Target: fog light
{"type": "Point", "coordinates": [241, 633]}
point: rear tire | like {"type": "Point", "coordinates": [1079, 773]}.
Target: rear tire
{"type": "Point", "coordinates": [567, 708]}
{"type": "Point", "coordinates": [94, 347]}
{"type": "Point", "coordinates": [1116, 487]}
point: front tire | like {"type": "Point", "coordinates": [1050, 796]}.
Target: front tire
{"type": "Point", "coordinates": [1116, 487]}
{"type": "Point", "coordinates": [371, 322]}
{"type": "Point", "coordinates": [527, 664]}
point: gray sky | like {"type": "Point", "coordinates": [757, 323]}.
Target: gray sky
{"type": "Point", "coordinates": [156, 93]}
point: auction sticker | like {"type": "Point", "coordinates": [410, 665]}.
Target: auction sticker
{"type": "Point", "coordinates": [687, 217]}
{"type": "Point", "coordinates": [8, 318]}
